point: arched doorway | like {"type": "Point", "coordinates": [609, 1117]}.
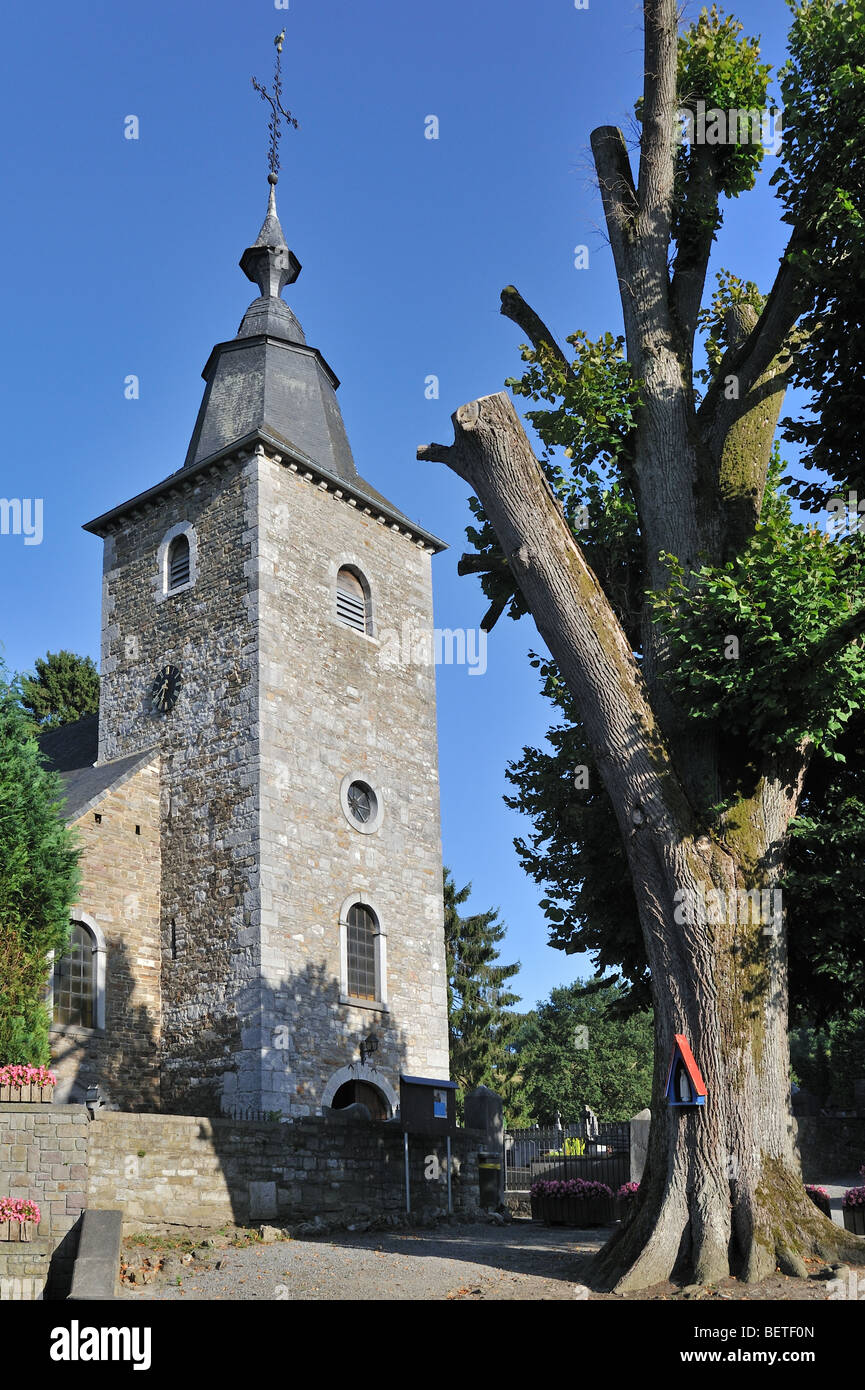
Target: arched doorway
{"type": "Point", "coordinates": [361, 1093]}
{"type": "Point", "coordinates": [357, 1073]}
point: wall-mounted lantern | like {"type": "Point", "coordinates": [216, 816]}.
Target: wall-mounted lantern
{"type": "Point", "coordinates": [685, 1084]}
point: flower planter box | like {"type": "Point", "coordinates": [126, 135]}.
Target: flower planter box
{"type": "Point", "coordinates": [573, 1211]}
{"type": "Point", "coordinates": [29, 1094]}
{"type": "Point", "coordinates": [854, 1220]}
{"type": "Point", "coordinates": [32, 1094]}
{"type": "Point", "coordinates": [17, 1230]}
{"type": "Point", "coordinates": [20, 1082]}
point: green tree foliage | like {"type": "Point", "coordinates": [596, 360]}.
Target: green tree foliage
{"type": "Point", "coordinates": [792, 597]}
{"type": "Point", "coordinates": [828, 1061]}
{"type": "Point", "coordinates": [711, 643]}
{"type": "Point", "coordinates": [38, 884]}
{"type": "Point", "coordinates": [575, 1049]}
{"type": "Point", "coordinates": [820, 182]}
{"type": "Point", "coordinates": [480, 1025]}
{"type": "Point", "coordinates": [64, 688]}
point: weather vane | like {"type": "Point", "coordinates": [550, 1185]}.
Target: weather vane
{"type": "Point", "coordinates": [276, 110]}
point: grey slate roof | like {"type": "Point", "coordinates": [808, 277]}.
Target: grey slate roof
{"type": "Point", "coordinates": [72, 751]}
{"type": "Point", "coordinates": [73, 745]}
{"type": "Point", "coordinates": [269, 385]}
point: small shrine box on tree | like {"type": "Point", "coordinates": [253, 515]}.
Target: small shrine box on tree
{"type": "Point", "coordinates": [685, 1084]}
{"type": "Point", "coordinates": [426, 1105]}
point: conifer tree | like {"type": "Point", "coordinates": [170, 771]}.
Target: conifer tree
{"type": "Point", "coordinates": [38, 884]}
{"type": "Point", "coordinates": [64, 688]}
{"type": "Point", "coordinates": [480, 1028]}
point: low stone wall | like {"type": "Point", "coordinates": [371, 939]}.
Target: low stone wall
{"type": "Point", "coordinates": [192, 1171]}
{"type": "Point", "coordinates": [830, 1147]}
{"type": "Point", "coordinates": [43, 1156]}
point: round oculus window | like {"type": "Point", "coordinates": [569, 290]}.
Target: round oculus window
{"type": "Point", "coordinates": [361, 805]}
{"type": "Point", "coordinates": [362, 802]}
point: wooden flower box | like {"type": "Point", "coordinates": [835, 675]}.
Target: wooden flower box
{"type": "Point", "coordinates": [17, 1230]}
{"type": "Point", "coordinates": [573, 1211]}
{"type": "Point", "coordinates": [30, 1094]}
{"type": "Point", "coordinates": [854, 1220]}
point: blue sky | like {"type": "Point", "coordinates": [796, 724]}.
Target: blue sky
{"type": "Point", "coordinates": [120, 257]}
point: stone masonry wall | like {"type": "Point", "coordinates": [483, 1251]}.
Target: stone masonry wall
{"type": "Point", "coordinates": [120, 875]}
{"type": "Point", "coordinates": [279, 704]}
{"type": "Point", "coordinates": [166, 1169]}
{"type": "Point", "coordinates": [209, 748]}
{"type": "Point", "coordinates": [337, 703]}
{"type": "Point", "coordinates": [43, 1156]}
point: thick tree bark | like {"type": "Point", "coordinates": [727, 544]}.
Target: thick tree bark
{"type": "Point", "coordinates": [722, 1189]}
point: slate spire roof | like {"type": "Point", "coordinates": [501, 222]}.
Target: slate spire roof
{"type": "Point", "coordinates": [268, 385]}
{"type": "Point", "coordinates": [268, 378]}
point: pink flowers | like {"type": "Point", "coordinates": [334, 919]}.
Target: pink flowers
{"type": "Point", "coordinates": [820, 1197]}
{"type": "Point", "coordinates": [628, 1191]}
{"type": "Point", "coordinates": [19, 1210]}
{"type": "Point", "coordinates": [570, 1187]}
{"type": "Point", "coordinates": [855, 1196]}
{"type": "Point", "coordinates": [13, 1075]}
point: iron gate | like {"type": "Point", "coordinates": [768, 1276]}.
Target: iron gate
{"type": "Point", "coordinates": [568, 1152]}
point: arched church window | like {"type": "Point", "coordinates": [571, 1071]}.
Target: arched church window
{"type": "Point", "coordinates": [178, 562]}
{"type": "Point", "coordinates": [74, 983]}
{"type": "Point", "coordinates": [352, 601]}
{"type": "Point", "coordinates": [361, 953]}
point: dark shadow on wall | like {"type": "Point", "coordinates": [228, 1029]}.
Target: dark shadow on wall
{"type": "Point", "coordinates": [306, 1035]}
{"type": "Point", "coordinates": [298, 1165]}
{"type": "Point", "coordinates": [123, 1059]}
{"type": "Point", "coordinates": [303, 1034]}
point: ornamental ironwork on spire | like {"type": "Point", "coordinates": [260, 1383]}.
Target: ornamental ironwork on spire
{"type": "Point", "coordinates": [269, 263]}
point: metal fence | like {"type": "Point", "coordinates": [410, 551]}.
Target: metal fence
{"type": "Point", "coordinates": [246, 1113]}
{"type": "Point", "coordinates": [568, 1152]}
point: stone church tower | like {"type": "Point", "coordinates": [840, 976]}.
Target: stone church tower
{"type": "Point", "coordinates": [247, 603]}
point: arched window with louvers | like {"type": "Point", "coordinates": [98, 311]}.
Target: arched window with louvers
{"type": "Point", "coordinates": [353, 607]}
{"type": "Point", "coordinates": [177, 561]}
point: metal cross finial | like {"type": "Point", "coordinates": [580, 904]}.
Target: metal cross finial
{"type": "Point", "coordinates": [276, 110]}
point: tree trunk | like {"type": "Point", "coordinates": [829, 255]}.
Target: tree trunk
{"type": "Point", "coordinates": [722, 1192]}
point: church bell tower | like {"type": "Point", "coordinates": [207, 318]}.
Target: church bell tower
{"type": "Point", "coordinates": [250, 602]}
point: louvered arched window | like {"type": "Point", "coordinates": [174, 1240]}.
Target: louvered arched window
{"type": "Point", "coordinates": [352, 603]}
{"type": "Point", "coordinates": [178, 562]}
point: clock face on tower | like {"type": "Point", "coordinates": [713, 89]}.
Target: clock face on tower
{"type": "Point", "coordinates": [165, 689]}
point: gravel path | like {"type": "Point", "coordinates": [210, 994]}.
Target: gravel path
{"type": "Point", "coordinates": [519, 1261]}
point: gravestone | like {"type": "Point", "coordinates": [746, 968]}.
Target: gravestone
{"type": "Point", "coordinates": [639, 1143]}
{"type": "Point", "coordinates": [483, 1110]}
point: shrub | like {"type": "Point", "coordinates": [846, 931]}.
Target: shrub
{"type": "Point", "coordinates": [629, 1191]}
{"type": "Point", "coordinates": [38, 883]}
